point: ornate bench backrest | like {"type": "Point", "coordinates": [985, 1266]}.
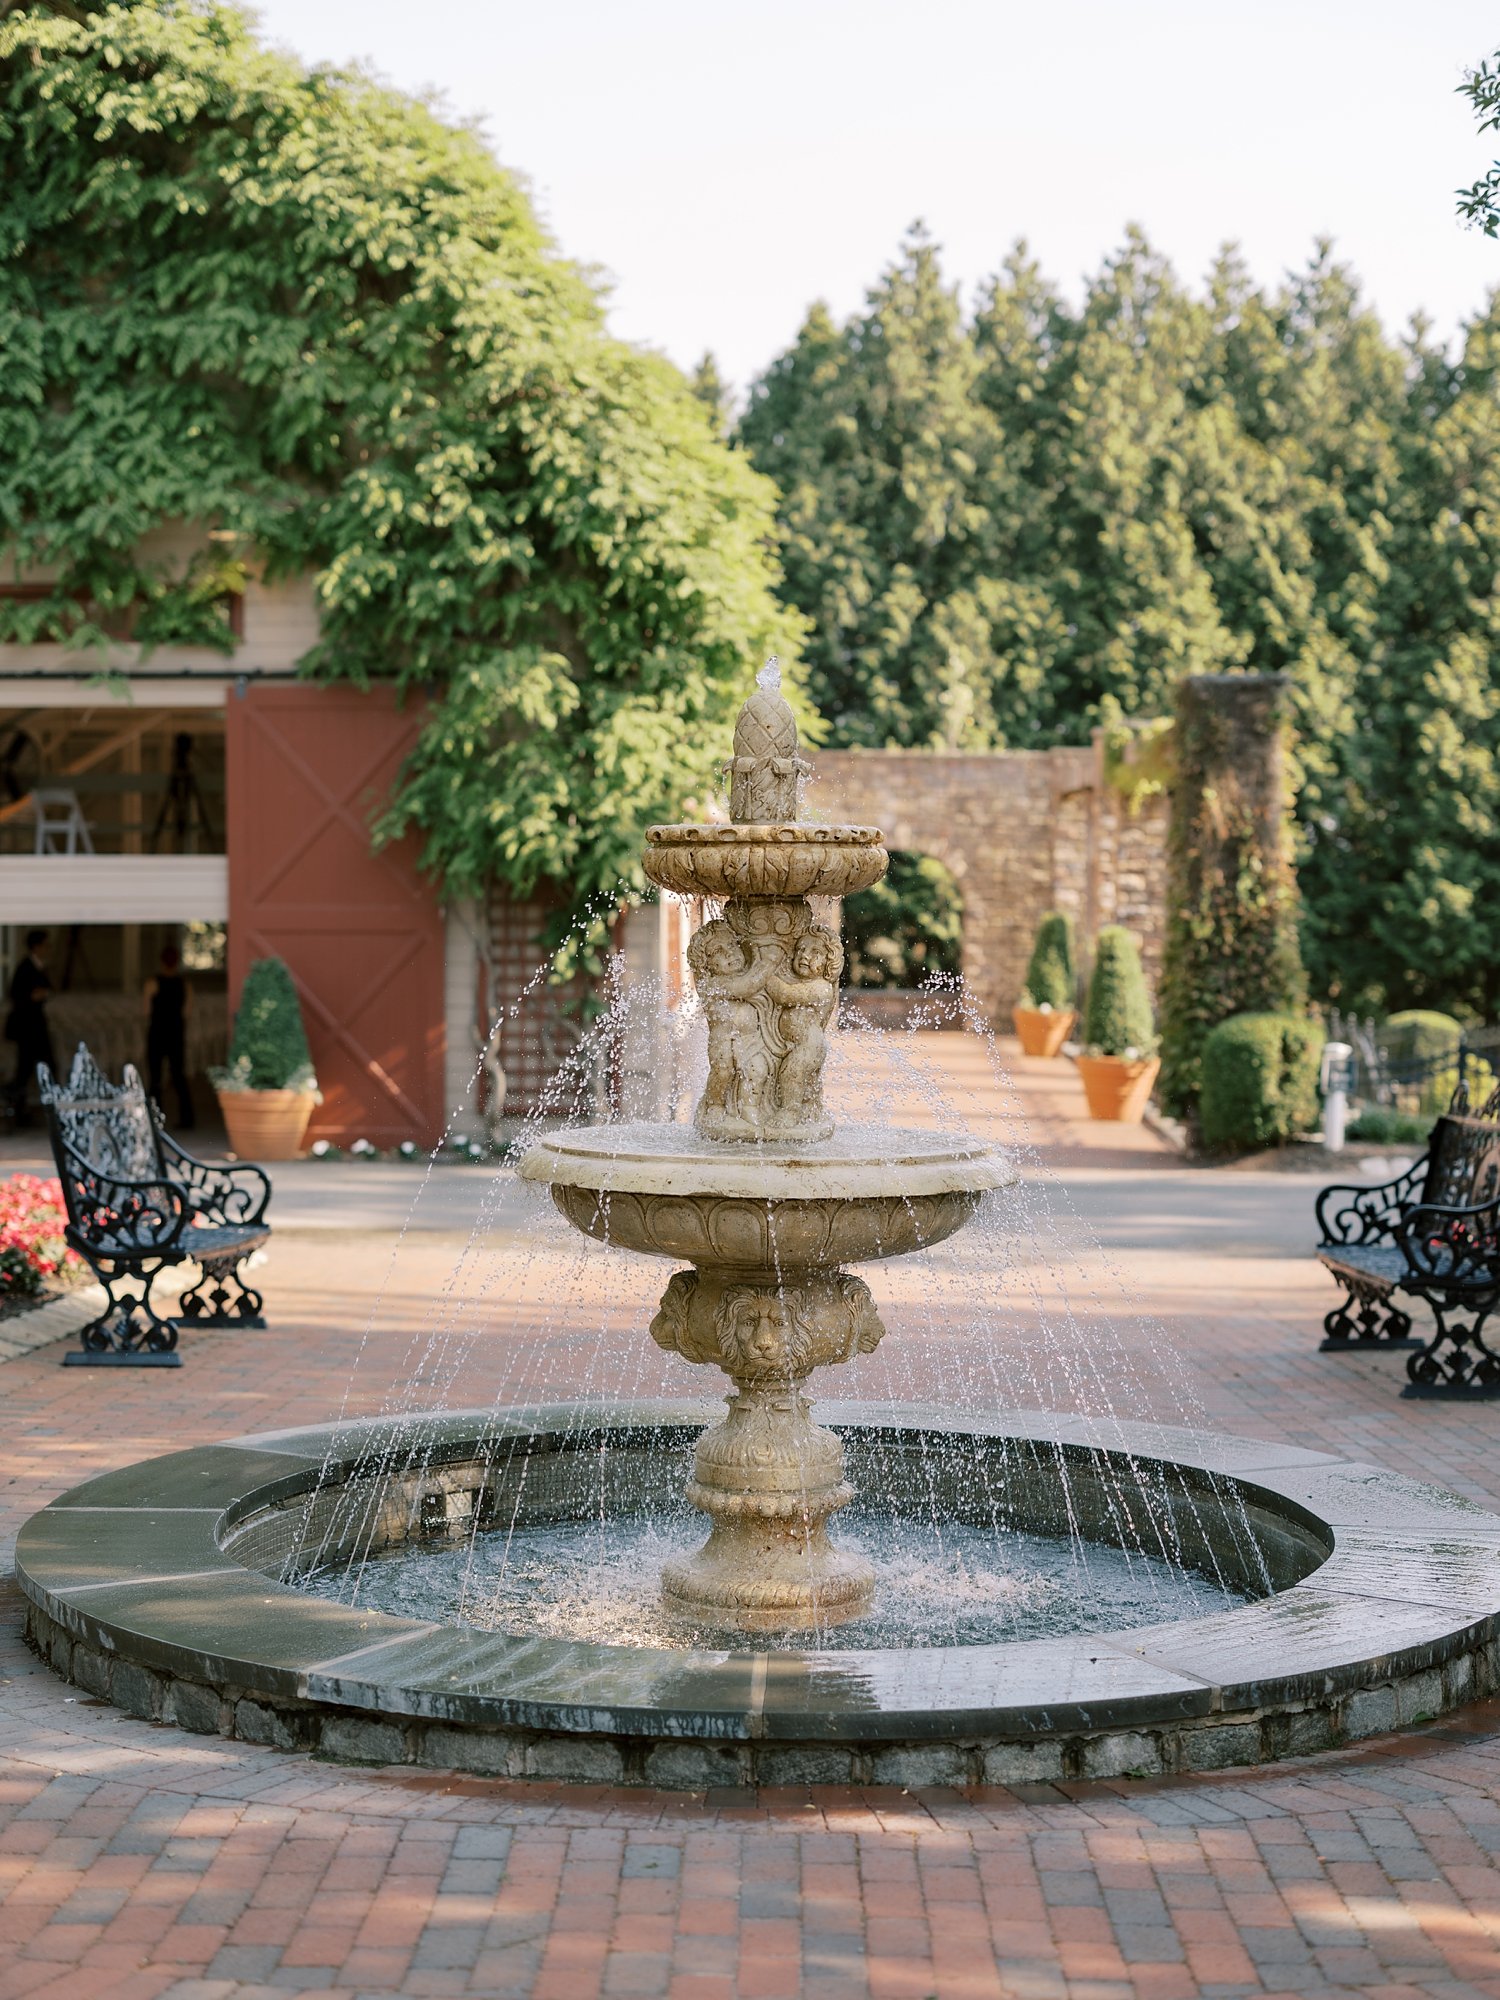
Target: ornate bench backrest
{"type": "Point", "coordinates": [108, 1125]}
{"type": "Point", "coordinates": [1463, 1161]}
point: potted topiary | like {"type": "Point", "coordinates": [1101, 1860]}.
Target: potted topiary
{"type": "Point", "coordinates": [1119, 1062]}
{"type": "Point", "coordinates": [267, 1089]}
{"type": "Point", "coordinates": [1045, 1014]}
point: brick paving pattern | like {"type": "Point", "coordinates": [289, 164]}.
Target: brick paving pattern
{"type": "Point", "coordinates": [138, 1862]}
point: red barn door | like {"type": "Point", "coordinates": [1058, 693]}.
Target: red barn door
{"type": "Point", "coordinates": [307, 770]}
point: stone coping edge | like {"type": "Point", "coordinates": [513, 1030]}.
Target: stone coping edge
{"type": "Point", "coordinates": [132, 1596]}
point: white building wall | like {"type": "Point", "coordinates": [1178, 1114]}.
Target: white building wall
{"type": "Point", "coordinates": [460, 1002]}
{"type": "Point", "coordinates": [281, 623]}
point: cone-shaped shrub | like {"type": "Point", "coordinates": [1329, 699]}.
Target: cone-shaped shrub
{"type": "Point", "coordinates": [1117, 1020]}
{"type": "Point", "coordinates": [269, 1050]}
{"type": "Point", "coordinates": [1052, 975]}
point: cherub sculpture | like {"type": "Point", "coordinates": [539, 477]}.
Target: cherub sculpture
{"type": "Point", "coordinates": [806, 1001]}
{"type": "Point", "coordinates": [730, 983]}
{"type": "Point", "coordinates": [768, 998]}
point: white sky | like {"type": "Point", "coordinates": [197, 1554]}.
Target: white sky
{"type": "Point", "coordinates": [725, 164]}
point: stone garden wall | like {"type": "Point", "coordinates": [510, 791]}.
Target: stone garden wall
{"type": "Point", "coordinates": [1022, 831]}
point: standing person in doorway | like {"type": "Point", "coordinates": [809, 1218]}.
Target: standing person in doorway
{"type": "Point", "coordinates": [169, 1000]}
{"type": "Point", "coordinates": [26, 1021]}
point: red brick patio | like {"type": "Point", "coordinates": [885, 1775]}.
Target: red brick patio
{"type": "Point", "coordinates": [139, 1861]}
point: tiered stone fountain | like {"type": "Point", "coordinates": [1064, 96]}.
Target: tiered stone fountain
{"type": "Point", "coordinates": [171, 1588]}
{"type": "Point", "coordinates": [770, 1205]}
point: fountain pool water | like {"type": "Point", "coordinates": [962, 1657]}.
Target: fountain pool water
{"type": "Point", "coordinates": [949, 1583]}
{"type": "Point", "coordinates": [519, 1591]}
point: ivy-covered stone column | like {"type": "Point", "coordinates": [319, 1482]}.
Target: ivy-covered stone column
{"type": "Point", "coordinates": [1232, 908]}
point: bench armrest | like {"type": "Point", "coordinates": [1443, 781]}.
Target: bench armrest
{"type": "Point", "coordinates": [107, 1212]}
{"type": "Point", "coordinates": [1454, 1245]}
{"type": "Point", "coordinates": [224, 1195]}
{"type": "Point", "coordinates": [1369, 1214]}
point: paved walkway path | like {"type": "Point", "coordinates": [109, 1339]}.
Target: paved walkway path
{"type": "Point", "coordinates": [138, 1862]}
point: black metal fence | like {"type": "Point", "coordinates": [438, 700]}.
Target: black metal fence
{"type": "Point", "coordinates": [1375, 1075]}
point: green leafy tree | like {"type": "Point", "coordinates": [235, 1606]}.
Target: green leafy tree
{"type": "Point", "coordinates": [302, 311]}
{"type": "Point", "coordinates": [907, 929]}
{"type": "Point", "coordinates": [1480, 204]}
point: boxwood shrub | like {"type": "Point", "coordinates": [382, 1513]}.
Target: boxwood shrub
{"type": "Point", "coordinates": [1117, 1020]}
{"type": "Point", "coordinates": [269, 1049]}
{"type": "Point", "coordinates": [1052, 975]}
{"type": "Point", "coordinates": [1260, 1081]}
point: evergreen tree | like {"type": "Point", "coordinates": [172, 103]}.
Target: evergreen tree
{"type": "Point", "coordinates": [1005, 530]}
{"type": "Point", "coordinates": [712, 391]}
{"type": "Point", "coordinates": [878, 443]}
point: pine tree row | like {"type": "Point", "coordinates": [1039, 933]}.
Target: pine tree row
{"type": "Point", "coordinates": [1006, 526]}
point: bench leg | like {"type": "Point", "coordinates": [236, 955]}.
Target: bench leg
{"type": "Point", "coordinates": [1366, 1317]}
{"type": "Point", "coordinates": [1456, 1362]}
{"type": "Point", "coordinates": [130, 1332]}
{"type": "Point", "coordinates": [221, 1298]}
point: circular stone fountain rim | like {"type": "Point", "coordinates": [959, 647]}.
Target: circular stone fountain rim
{"type": "Point", "coordinates": [616, 1159]}
{"type": "Point", "coordinates": [131, 1565]}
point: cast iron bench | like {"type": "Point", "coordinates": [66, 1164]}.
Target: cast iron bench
{"type": "Point", "coordinates": [1434, 1234]}
{"type": "Point", "coordinates": [137, 1203]}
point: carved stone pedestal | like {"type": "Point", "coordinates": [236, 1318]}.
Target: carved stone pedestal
{"type": "Point", "coordinates": [768, 1477]}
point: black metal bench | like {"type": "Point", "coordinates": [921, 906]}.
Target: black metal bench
{"type": "Point", "coordinates": [137, 1203]}
{"type": "Point", "coordinates": [1433, 1233]}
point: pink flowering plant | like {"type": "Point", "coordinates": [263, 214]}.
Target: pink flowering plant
{"type": "Point", "coordinates": [32, 1249]}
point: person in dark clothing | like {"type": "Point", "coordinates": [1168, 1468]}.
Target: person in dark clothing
{"type": "Point", "coordinates": [168, 1001]}
{"type": "Point", "coordinates": [26, 1021]}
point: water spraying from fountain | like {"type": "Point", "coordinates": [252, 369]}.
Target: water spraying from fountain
{"type": "Point", "coordinates": [767, 1206]}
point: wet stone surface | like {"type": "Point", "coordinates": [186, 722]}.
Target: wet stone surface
{"type": "Point", "coordinates": [1369, 1629]}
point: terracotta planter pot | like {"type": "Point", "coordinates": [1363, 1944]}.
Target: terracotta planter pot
{"type": "Point", "coordinates": [266, 1124]}
{"type": "Point", "coordinates": [1117, 1089]}
{"type": "Point", "coordinates": [1042, 1034]}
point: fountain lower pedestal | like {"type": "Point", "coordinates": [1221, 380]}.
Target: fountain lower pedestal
{"type": "Point", "coordinates": [767, 1476]}
{"type": "Point", "coordinates": [769, 1479]}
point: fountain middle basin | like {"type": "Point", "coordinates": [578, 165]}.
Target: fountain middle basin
{"type": "Point", "coordinates": [767, 1232]}
{"type": "Point", "coordinates": [159, 1587]}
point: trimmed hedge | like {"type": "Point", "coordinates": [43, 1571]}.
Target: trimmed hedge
{"type": "Point", "coordinates": [1260, 1081]}
{"type": "Point", "coordinates": [269, 1050]}
{"type": "Point", "coordinates": [1420, 1034]}
{"type": "Point", "coordinates": [1052, 975]}
{"type": "Point", "coordinates": [1117, 1019]}
{"type": "Point", "coordinates": [1378, 1125]}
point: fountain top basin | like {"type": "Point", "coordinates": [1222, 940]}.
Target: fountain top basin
{"type": "Point", "coordinates": [774, 860]}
